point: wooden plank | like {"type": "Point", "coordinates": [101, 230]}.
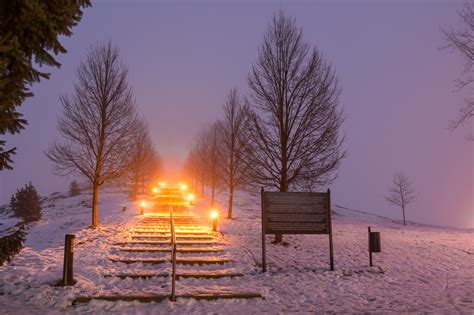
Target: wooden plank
{"type": "Point", "coordinates": [297, 217]}
{"type": "Point", "coordinates": [296, 228]}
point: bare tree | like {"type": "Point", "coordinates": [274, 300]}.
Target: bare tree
{"type": "Point", "coordinates": [153, 169]}
{"type": "Point", "coordinates": [401, 193]}
{"type": "Point", "coordinates": [205, 158]}
{"type": "Point", "coordinates": [145, 162]}
{"type": "Point", "coordinates": [232, 166]}
{"type": "Point", "coordinates": [295, 121]}
{"type": "Point", "coordinates": [191, 169]}
{"type": "Point", "coordinates": [212, 158]}
{"type": "Point", "coordinates": [462, 41]}
{"type": "Point", "coordinates": [200, 155]}
{"type": "Point", "coordinates": [98, 123]}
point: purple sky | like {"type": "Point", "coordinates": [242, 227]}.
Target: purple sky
{"type": "Point", "coordinates": [184, 57]}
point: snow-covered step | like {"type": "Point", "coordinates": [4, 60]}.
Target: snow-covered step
{"type": "Point", "coordinates": [153, 261]}
{"type": "Point", "coordinates": [168, 250]}
{"type": "Point", "coordinates": [180, 237]}
{"type": "Point", "coordinates": [180, 275]}
{"type": "Point", "coordinates": [180, 261]}
{"type": "Point", "coordinates": [125, 298]}
{"type": "Point", "coordinates": [160, 298]}
{"type": "Point", "coordinates": [143, 242]}
{"type": "Point", "coordinates": [178, 231]}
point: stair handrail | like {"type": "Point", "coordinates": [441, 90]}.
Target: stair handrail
{"type": "Point", "coordinates": [173, 257]}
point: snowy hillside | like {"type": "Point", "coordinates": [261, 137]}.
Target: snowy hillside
{"type": "Point", "coordinates": [420, 269]}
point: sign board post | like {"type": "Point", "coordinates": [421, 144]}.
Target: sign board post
{"type": "Point", "coordinates": [264, 223]}
{"type": "Point", "coordinates": [296, 213]}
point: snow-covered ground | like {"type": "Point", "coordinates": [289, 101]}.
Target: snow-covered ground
{"type": "Point", "coordinates": [420, 269]}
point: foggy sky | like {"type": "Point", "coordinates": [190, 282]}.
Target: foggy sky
{"type": "Point", "coordinates": [183, 58]}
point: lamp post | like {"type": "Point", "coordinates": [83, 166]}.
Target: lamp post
{"type": "Point", "coordinates": [214, 216]}
{"type": "Point", "coordinates": [191, 198]}
{"type": "Point", "coordinates": [142, 207]}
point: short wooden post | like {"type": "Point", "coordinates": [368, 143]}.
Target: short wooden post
{"type": "Point", "coordinates": [214, 225]}
{"type": "Point", "coordinates": [142, 210]}
{"type": "Point", "coordinates": [331, 250]}
{"type": "Point", "coordinates": [68, 277]}
{"type": "Point", "coordinates": [264, 222]}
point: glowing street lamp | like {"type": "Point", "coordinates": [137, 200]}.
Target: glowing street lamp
{"type": "Point", "coordinates": [162, 184]}
{"type": "Point", "coordinates": [155, 190]}
{"type": "Point", "coordinates": [214, 216]}
{"type": "Point", "coordinates": [143, 205]}
{"type": "Point", "coordinates": [190, 198]}
{"type": "Point", "coordinates": [183, 187]}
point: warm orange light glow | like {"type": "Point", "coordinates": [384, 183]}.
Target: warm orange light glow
{"type": "Point", "coordinates": [183, 187]}
{"type": "Point", "coordinates": [155, 190]}
{"type": "Point", "coordinates": [162, 184]}
{"type": "Point", "coordinates": [190, 197]}
{"type": "Point", "coordinates": [143, 204]}
{"type": "Point", "coordinates": [214, 214]}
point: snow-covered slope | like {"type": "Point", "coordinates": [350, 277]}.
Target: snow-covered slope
{"type": "Point", "coordinates": [420, 269]}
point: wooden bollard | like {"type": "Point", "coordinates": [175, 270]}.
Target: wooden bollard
{"type": "Point", "coordinates": [68, 278]}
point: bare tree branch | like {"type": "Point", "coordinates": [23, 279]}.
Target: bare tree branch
{"type": "Point", "coordinates": [462, 41]}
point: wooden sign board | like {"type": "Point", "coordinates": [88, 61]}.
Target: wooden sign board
{"type": "Point", "coordinates": [296, 213]}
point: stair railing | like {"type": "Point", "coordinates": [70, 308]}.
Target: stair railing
{"type": "Point", "coordinates": [173, 258]}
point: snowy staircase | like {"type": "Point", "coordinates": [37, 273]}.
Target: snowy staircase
{"type": "Point", "coordinates": [204, 269]}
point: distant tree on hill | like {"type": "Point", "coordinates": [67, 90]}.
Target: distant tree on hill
{"type": "Point", "coordinates": [25, 204]}
{"type": "Point", "coordinates": [401, 193]}
{"type": "Point", "coordinates": [294, 130]}
{"type": "Point", "coordinates": [29, 36]}
{"type": "Point", "coordinates": [462, 41]}
{"type": "Point", "coordinates": [98, 123]}
{"type": "Point", "coordinates": [74, 189]}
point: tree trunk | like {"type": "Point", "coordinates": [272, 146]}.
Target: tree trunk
{"type": "Point", "coordinates": [231, 201]}
{"type": "Point", "coordinates": [202, 186]}
{"type": "Point", "coordinates": [95, 205]}
{"type": "Point", "coordinates": [283, 188]}
{"type": "Point", "coordinates": [212, 191]}
{"type": "Point", "coordinates": [403, 210]}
